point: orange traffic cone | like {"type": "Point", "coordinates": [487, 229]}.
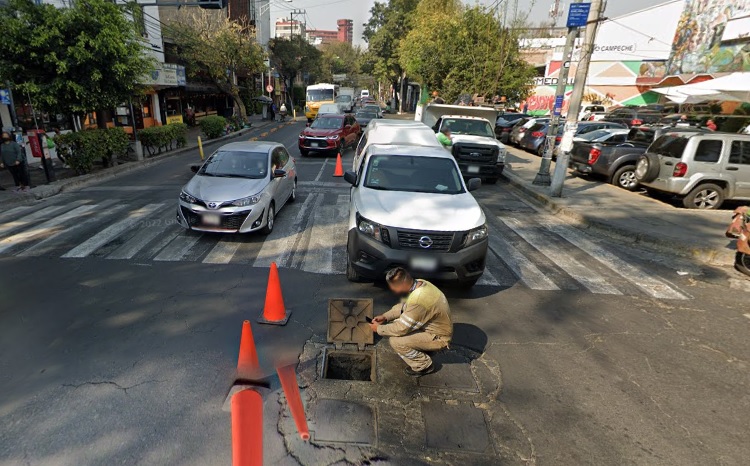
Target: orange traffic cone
{"type": "Point", "coordinates": [247, 428]}
{"type": "Point", "coordinates": [274, 311]}
{"type": "Point", "coordinates": [291, 390]}
{"type": "Point", "coordinates": [339, 167]}
{"type": "Point", "coordinates": [247, 362]}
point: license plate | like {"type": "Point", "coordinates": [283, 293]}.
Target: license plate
{"type": "Point", "coordinates": [211, 219]}
{"type": "Point", "coordinates": [473, 169]}
{"type": "Point", "coordinates": [424, 263]}
{"type": "Point", "coordinates": [318, 144]}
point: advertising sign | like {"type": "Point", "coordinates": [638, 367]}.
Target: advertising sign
{"type": "Point", "coordinates": [174, 119]}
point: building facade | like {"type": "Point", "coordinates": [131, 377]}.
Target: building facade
{"type": "Point", "coordinates": [345, 30]}
{"type": "Point", "coordinates": [285, 29]}
{"type": "Point", "coordinates": [321, 36]}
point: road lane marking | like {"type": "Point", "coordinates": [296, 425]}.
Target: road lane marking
{"type": "Point", "coordinates": [651, 285]}
{"type": "Point", "coordinates": [582, 274]}
{"type": "Point", "coordinates": [147, 234]}
{"type": "Point", "coordinates": [111, 232]}
{"type": "Point", "coordinates": [31, 218]}
{"type": "Point", "coordinates": [47, 226]}
{"type": "Point", "coordinates": [178, 248]}
{"type": "Point", "coordinates": [326, 234]}
{"type": "Point", "coordinates": [223, 251]}
{"type": "Point", "coordinates": [322, 167]}
{"type": "Point", "coordinates": [522, 267]}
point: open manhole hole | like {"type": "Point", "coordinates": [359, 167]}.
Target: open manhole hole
{"type": "Point", "coordinates": [348, 330]}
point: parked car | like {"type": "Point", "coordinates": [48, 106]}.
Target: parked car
{"type": "Point", "coordinates": [239, 189]}
{"type": "Point", "coordinates": [394, 132]}
{"type": "Point", "coordinates": [330, 109]}
{"type": "Point", "coordinates": [504, 125]}
{"type": "Point", "coordinates": [329, 133]}
{"type": "Point", "coordinates": [521, 126]}
{"type": "Point", "coordinates": [702, 168]}
{"type": "Point", "coordinates": [615, 161]}
{"type": "Point", "coordinates": [594, 116]}
{"type": "Point", "coordinates": [535, 137]}
{"type": "Point", "coordinates": [410, 207]}
{"type": "Point", "coordinates": [364, 117]}
{"type": "Point", "coordinates": [373, 107]}
{"type": "Point", "coordinates": [633, 116]}
{"type": "Point", "coordinates": [591, 108]}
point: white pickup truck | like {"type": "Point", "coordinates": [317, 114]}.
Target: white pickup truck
{"type": "Point", "coordinates": [478, 153]}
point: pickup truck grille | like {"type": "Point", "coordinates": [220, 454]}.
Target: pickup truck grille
{"type": "Point", "coordinates": [414, 240]}
{"type": "Point", "coordinates": [475, 153]}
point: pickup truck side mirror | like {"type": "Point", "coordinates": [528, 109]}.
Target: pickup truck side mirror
{"type": "Point", "coordinates": [474, 184]}
{"type": "Point", "coordinates": [350, 177]}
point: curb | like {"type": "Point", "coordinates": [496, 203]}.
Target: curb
{"type": "Point", "coordinates": [708, 256]}
{"type": "Point", "coordinates": [56, 187]}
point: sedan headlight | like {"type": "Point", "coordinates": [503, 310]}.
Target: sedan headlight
{"type": "Point", "coordinates": [301, 136]}
{"type": "Point", "coordinates": [246, 201]}
{"type": "Point", "coordinates": [373, 230]}
{"type": "Point", "coordinates": [476, 235]}
{"type": "Point", "coordinates": [187, 197]}
{"type": "Point", "coordinates": [334, 137]}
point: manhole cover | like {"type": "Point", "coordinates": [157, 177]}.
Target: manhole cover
{"type": "Point", "coordinates": [338, 421]}
{"type": "Point", "coordinates": [456, 428]}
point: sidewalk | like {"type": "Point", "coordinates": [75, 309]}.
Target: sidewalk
{"type": "Point", "coordinates": [630, 217]}
{"type": "Point", "coordinates": [66, 178]}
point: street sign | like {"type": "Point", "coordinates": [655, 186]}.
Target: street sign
{"type": "Point", "coordinates": [5, 96]}
{"type": "Point", "coordinates": [578, 15]}
{"type": "Point", "coordinates": [269, 88]}
{"type": "Point", "coordinates": [558, 105]}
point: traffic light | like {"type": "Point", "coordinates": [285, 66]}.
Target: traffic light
{"type": "Point", "coordinates": [212, 4]}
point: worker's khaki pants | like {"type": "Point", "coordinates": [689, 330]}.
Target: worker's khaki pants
{"type": "Point", "coordinates": [411, 348]}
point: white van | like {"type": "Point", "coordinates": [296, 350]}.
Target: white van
{"type": "Point", "coordinates": [392, 131]}
{"type": "Point", "coordinates": [364, 93]}
{"type": "Point", "coordinates": [410, 207]}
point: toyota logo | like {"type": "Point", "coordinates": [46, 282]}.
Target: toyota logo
{"type": "Point", "coordinates": [212, 205]}
{"type": "Point", "coordinates": [425, 242]}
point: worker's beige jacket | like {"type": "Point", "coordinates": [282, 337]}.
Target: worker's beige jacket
{"type": "Point", "coordinates": [425, 309]}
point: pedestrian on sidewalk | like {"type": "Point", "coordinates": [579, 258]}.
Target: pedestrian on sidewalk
{"type": "Point", "coordinates": [420, 324]}
{"type": "Point", "coordinates": [14, 158]}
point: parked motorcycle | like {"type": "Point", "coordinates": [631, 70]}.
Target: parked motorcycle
{"type": "Point", "coordinates": [740, 229]}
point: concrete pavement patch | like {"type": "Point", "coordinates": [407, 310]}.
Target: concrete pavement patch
{"type": "Point", "coordinates": [453, 372]}
{"type": "Point", "coordinates": [338, 421]}
{"type": "Point", "coordinates": [457, 428]}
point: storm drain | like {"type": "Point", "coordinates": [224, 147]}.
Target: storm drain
{"type": "Point", "coordinates": [349, 332]}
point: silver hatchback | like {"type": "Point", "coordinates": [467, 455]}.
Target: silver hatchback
{"type": "Point", "coordinates": [239, 189]}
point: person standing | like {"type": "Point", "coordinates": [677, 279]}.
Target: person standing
{"type": "Point", "coordinates": [711, 125]}
{"type": "Point", "coordinates": [444, 137]}
{"type": "Point", "coordinates": [436, 99]}
{"type": "Point", "coordinates": [14, 158]}
{"type": "Point", "coordinates": [420, 324]}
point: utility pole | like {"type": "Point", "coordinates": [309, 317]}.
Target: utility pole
{"type": "Point", "coordinates": [542, 177]}
{"type": "Point", "coordinates": [571, 124]}
{"type": "Point", "coordinates": [292, 14]}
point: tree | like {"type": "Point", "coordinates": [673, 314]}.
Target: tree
{"type": "Point", "coordinates": [470, 52]}
{"type": "Point", "coordinates": [339, 58]}
{"type": "Point", "coordinates": [293, 56]}
{"type": "Point", "coordinates": [218, 49]}
{"type": "Point", "coordinates": [71, 60]}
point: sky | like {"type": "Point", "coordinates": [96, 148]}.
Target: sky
{"type": "Point", "coordinates": [322, 14]}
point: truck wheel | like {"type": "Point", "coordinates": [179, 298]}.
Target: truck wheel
{"type": "Point", "coordinates": [742, 263]}
{"type": "Point", "coordinates": [351, 273]}
{"type": "Point", "coordinates": [647, 168]}
{"type": "Point", "coordinates": [705, 196]}
{"type": "Point", "coordinates": [624, 177]}
{"type": "Point", "coordinates": [490, 180]}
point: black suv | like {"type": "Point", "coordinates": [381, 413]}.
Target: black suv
{"type": "Point", "coordinates": [633, 116]}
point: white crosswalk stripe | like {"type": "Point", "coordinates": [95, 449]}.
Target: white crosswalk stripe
{"type": "Point", "coordinates": [539, 252]}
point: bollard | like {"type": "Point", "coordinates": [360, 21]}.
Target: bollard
{"type": "Point", "coordinates": [294, 113]}
{"type": "Point", "coordinates": [200, 147]}
{"type": "Point", "coordinates": [247, 428]}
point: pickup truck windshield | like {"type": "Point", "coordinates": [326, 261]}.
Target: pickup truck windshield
{"type": "Point", "coordinates": [471, 127]}
{"type": "Point", "coordinates": [413, 174]}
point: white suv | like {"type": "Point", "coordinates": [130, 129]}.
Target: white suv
{"type": "Point", "coordinates": [410, 207]}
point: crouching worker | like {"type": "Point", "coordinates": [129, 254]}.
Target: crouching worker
{"type": "Point", "coordinates": [421, 323]}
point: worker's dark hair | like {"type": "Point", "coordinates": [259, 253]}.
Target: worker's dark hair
{"type": "Point", "coordinates": [398, 275]}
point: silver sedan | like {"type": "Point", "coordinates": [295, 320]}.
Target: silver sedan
{"type": "Point", "coordinates": [239, 189]}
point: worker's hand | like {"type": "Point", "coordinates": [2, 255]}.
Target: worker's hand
{"type": "Point", "coordinates": [374, 326]}
{"type": "Point", "coordinates": [379, 320]}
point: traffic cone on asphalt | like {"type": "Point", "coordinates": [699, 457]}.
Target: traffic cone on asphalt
{"type": "Point", "coordinates": [288, 379]}
{"type": "Point", "coordinates": [247, 362]}
{"type": "Point", "coordinates": [274, 311]}
{"type": "Point", "coordinates": [339, 167]}
{"type": "Point", "coordinates": [247, 428]}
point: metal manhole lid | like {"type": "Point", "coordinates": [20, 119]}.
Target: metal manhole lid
{"type": "Point", "coordinates": [347, 321]}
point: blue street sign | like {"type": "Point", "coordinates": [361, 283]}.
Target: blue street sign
{"type": "Point", "coordinates": [578, 15]}
{"type": "Point", "coordinates": [557, 110]}
{"type": "Point", "coordinates": [5, 96]}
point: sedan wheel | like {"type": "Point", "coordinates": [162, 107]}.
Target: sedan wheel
{"type": "Point", "coordinates": [270, 219]}
{"type": "Point", "coordinates": [706, 196]}
{"type": "Point", "coordinates": [293, 195]}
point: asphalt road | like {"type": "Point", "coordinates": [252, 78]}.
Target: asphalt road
{"type": "Point", "coordinates": [119, 331]}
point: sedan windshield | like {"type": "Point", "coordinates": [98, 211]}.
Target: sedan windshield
{"type": "Point", "coordinates": [236, 164]}
{"type": "Point", "coordinates": [344, 98]}
{"type": "Point", "coordinates": [471, 127]}
{"type": "Point", "coordinates": [413, 174]}
{"type": "Point", "coordinates": [327, 123]}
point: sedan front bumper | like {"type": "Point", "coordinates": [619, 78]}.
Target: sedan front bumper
{"type": "Point", "coordinates": [230, 219]}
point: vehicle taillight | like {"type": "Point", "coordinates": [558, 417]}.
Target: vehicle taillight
{"type": "Point", "coordinates": [636, 122]}
{"type": "Point", "coordinates": [591, 118]}
{"type": "Point", "coordinates": [679, 170]}
{"type": "Point", "coordinates": [537, 134]}
{"type": "Point", "coordinates": [558, 139]}
{"type": "Point", "coordinates": [594, 154]}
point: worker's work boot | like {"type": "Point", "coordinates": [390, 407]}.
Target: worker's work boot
{"type": "Point", "coordinates": [409, 371]}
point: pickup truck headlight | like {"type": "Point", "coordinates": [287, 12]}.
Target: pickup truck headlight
{"type": "Point", "coordinates": [373, 230]}
{"type": "Point", "coordinates": [246, 201]}
{"type": "Point", "coordinates": [334, 137]}
{"type": "Point", "coordinates": [501, 156]}
{"type": "Point", "coordinates": [187, 197]}
{"type": "Point", "coordinates": [476, 235]}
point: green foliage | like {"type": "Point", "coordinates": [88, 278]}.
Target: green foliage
{"type": "Point", "coordinates": [213, 126]}
{"type": "Point", "coordinates": [215, 47]}
{"type": "Point", "coordinates": [293, 56]}
{"type": "Point", "coordinates": [71, 60]}
{"type": "Point", "coordinates": [88, 146]}
{"type": "Point", "coordinates": [470, 52]}
{"type": "Point", "coordinates": [158, 138]}
{"type": "Point", "coordinates": [339, 58]}
{"type": "Point", "coordinates": [388, 25]}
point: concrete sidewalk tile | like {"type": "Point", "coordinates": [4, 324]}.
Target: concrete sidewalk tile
{"type": "Point", "coordinates": [453, 372]}
{"type": "Point", "coordinates": [339, 421]}
{"type": "Point", "coordinates": [455, 427]}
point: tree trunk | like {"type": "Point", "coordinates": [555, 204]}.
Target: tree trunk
{"type": "Point", "coordinates": [238, 101]}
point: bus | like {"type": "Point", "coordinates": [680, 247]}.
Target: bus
{"type": "Point", "coordinates": [317, 95]}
